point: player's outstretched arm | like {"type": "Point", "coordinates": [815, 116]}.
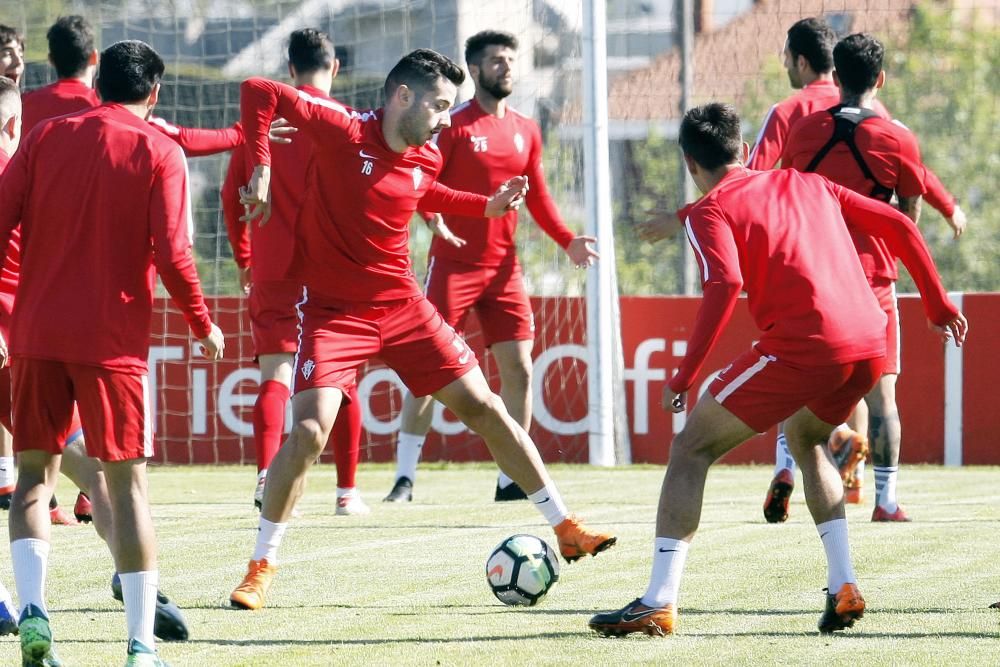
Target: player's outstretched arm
{"type": "Point", "coordinates": [904, 240]}
{"type": "Point", "coordinates": [327, 122]}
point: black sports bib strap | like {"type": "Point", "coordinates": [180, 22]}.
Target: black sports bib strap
{"type": "Point", "coordinates": [846, 121]}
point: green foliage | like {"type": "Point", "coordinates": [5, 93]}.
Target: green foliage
{"type": "Point", "coordinates": [942, 83]}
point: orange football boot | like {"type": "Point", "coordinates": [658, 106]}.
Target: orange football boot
{"type": "Point", "coordinates": [250, 593]}
{"type": "Point", "coordinates": [842, 609]}
{"type": "Point", "coordinates": [577, 541]}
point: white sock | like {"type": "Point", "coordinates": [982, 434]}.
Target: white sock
{"type": "Point", "coordinates": [782, 457]}
{"type": "Point", "coordinates": [346, 491]}
{"type": "Point", "coordinates": [268, 540]}
{"type": "Point", "coordinates": [8, 471]}
{"type": "Point", "coordinates": [408, 446]}
{"type": "Point", "coordinates": [30, 558]}
{"type": "Point", "coordinates": [668, 566]}
{"type": "Point", "coordinates": [843, 428]}
{"type": "Point", "coordinates": [839, 570]}
{"type": "Point", "coordinates": [859, 471]}
{"type": "Point", "coordinates": [548, 501]}
{"type": "Point", "coordinates": [139, 593]}
{"type": "Point", "coordinates": [885, 487]}
{"type": "Point", "coordinates": [503, 480]}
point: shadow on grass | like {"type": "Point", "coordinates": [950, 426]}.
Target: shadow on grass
{"type": "Point", "coordinates": [351, 642]}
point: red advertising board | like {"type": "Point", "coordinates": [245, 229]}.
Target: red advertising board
{"type": "Point", "coordinates": [203, 409]}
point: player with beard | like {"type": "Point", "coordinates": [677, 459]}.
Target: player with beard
{"type": "Point", "coordinates": [473, 262]}
{"type": "Point", "coordinates": [361, 299]}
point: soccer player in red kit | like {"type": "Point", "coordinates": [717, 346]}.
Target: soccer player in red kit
{"type": "Point", "coordinates": [361, 300]}
{"type": "Point", "coordinates": [122, 170]}
{"type": "Point", "coordinates": [781, 237]}
{"type": "Point", "coordinates": [11, 67]}
{"type": "Point", "coordinates": [808, 60]}
{"type": "Point", "coordinates": [853, 146]}
{"type": "Point", "coordinates": [73, 56]}
{"type": "Point", "coordinates": [10, 135]}
{"type": "Point", "coordinates": [264, 258]}
{"type": "Point", "coordinates": [487, 143]}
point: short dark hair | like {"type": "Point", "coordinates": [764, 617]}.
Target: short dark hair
{"type": "Point", "coordinates": [710, 134]}
{"type": "Point", "coordinates": [813, 39]}
{"type": "Point", "coordinates": [475, 45]}
{"type": "Point", "coordinates": [128, 71]}
{"type": "Point", "coordinates": [10, 94]}
{"type": "Point", "coordinates": [71, 41]}
{"type": "Point", "coordinates": [858, 59]}
{"type": "Point", "coordinates": [310, 50]}
{"type": "Point", "coordinates": [420, 70]}
{"type": "Point", "coordinates": [9, 34]}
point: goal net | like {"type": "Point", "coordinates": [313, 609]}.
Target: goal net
{"type": "Point", "coordinates": [203, 410]}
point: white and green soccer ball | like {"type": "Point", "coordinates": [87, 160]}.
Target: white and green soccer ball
{"type": "Point", "coordinates": [521, 570]}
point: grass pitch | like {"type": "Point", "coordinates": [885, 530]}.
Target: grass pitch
{"type": "Point", "coordinates": [406, 585]}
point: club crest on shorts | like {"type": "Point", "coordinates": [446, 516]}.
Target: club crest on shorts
{"type": "Point", "coordinates": [518, 142]}
{"type": "Point", "coordinates": [307, 368]}
{"type": "Point", "coordinates": [418, 176]}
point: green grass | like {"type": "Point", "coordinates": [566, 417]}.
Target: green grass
{"type": "Point", "coordinates": [406, 585]}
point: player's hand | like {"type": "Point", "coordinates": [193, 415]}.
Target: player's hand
{"type": "Point", "coordinates": [437, 226]}
{"type": "Point", "coordinates": [673, 402]}
{"type": "Point", "coordinates": [660, 225]}
{"type": "Point", "coordinates": [957, 221]}
{"type": "Point", "coordinates": [507, 197]}
{"type": "Point", "coordinates": [4, 354]}
{"type": "Point", "coordinates": [245, 280]}
{"type": "Point", "coordinates": [214, 344]}
{"type": "Point", "coordinates": [956, 329]}
{"type": "Point", "coordinates": [256, 195]}
{"type": "Point", "coordinates": [281, 131]}
{"type": "Point", "coordinates": [581, 251]}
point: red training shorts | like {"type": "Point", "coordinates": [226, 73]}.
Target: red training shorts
{"type": "Point", "coordinates": [113, 409]}
{"type": "Point", "coordinates": [885, 292]}
{"type": "Point", "coordinates": [74, 431]}
{"type": "Point", "coordinates": [274, 323]}
{"type": "Point", "coordinates": [762, 390]}
{"type": "Point", "coordinates": [410, 336]}
{"type": "Point", "coordinates": [496, 292]}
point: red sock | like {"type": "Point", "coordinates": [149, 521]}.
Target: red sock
{"type": "Point", "coordinates": [346, 436]}
{"type": "Point", "coordinates": [269, 421]}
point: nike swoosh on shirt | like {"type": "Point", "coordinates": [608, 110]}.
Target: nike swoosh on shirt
{"type": "Point", "coordinates": [366, 155]}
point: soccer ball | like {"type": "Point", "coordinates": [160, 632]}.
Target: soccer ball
{"type": "Point", "coordinates": [521, 570]}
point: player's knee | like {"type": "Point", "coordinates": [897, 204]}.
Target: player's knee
{"type": "Point", "coordinates": [309, 439]}
{"type": "Point", "coordinates": [478, 412]}
{"type": "Point", "coordinates": [689, 449]}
